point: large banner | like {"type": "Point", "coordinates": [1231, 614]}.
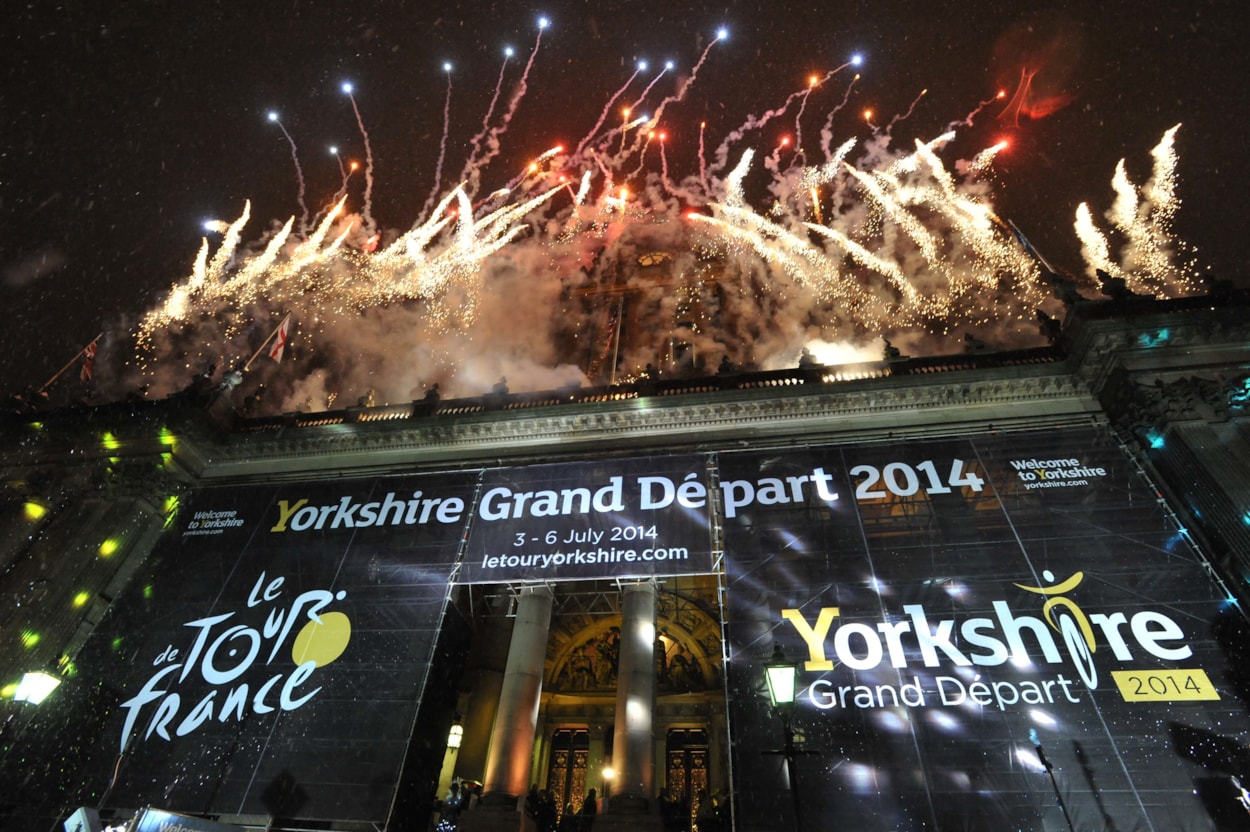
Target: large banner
{"type": "Point", "coordinates": [612, 518]}
{"type": "Point", "coordinates": [271, 660]}
{"type": "Point", "coordinates": [969, 618]}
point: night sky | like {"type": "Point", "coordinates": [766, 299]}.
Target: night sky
{"type": "Point", "coordinates": [127, 124]}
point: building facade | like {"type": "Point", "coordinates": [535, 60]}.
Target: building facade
{"type": "Point", "coordinates": [1012, 585]}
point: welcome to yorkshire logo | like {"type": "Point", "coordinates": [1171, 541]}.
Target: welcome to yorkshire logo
{"type": "Point", "coordinates": [966, 652]}
{"type": "Point", "coordinates": [1055, 473]}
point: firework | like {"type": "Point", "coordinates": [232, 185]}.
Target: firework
{"type": "Point", "coordinates": [534, 280]}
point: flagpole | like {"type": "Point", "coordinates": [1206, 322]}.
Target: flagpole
{"type": "Point", "coordinates": [68, 364]}
{"type": "Point", "coordinates": [264, 343]}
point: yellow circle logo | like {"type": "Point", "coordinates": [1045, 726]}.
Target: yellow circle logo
{"type": "Point", "coordinates": [322, 642]}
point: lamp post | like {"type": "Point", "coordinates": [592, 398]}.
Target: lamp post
{"type": "Point", "coordinates": [1050, 769]}
{"type": "Point", "coordinates": [35, 687]}
{"type": "Point", "coordinates": [455, 735]}
{"type": "Point", "coordinates": [780, 676]}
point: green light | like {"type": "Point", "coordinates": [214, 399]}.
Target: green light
{"type": "Point", "coordinates": [109, 441]}
{"type": "Point", "coordinates": [30, 638]}
{"type": "Point", "coordinates": [34, 511]}
{"type": "Point", "coordinates": [8, 690]}
{"type": "Point", "coordinates": [167, 437]}
{"type": "Point", "coordinates": [109, 546]}
{"type": "Point", "coordinates": [147, 591]}
{"type": "Point", "coordinates": [81, 599]}
{"type": "Point", "coordinates": [117, 643]}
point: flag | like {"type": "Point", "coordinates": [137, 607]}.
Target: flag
{"type": "Point", "coordinates": [87, 373]}
{"type": "Point", "coordinates": [1028, 247]}
{"type": "Point", "coordinates": [279, 339]}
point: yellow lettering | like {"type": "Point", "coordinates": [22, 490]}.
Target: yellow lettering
{"type": "Point", "coordinates": [814, 636]}
{"type": "Point", "coordinates": [285, 510]}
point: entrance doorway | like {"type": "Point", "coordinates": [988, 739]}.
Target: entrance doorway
{"type": "Point", "coordinates": [566, 773]}
{"type": "Point", "coordinates": [686, 767]}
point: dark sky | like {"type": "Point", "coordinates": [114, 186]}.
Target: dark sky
{"type": "Point", "coordinates": [126, 124]}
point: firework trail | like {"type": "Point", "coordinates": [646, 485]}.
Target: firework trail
{"type": "Point", "coordinates": [299, 172]}
{"type": "Point", "coordinates": [967, 120]}
{"type": "Point", "coordinates": [493, 144]}
{"type": "Point", "coordinates": [643, 97]}
{"type": "Point", "coordinates": [826, 131]}
{"type": "Point", "coordinates": [475, 143]}
{"type": "Point", "coordinates": [665, 182]}
{"type": "Point", "coordinates": [603, 116]}
{"type": "Point", "coordinates": [334, 151]}
{"type": "Point", "coordinates": [721, 156]}
{"type": "Point", "coordinates": [684, 88]}
{"type": "Point", "coordinates": [800, 157]}
{"type": "Point", "coordinates": [702, 158]}
{"type": "Point", "coordinates": [364, 134]}
{"type": "Point", "coordinates": [906, 115]}
{"type": "Point", "coordinates": [442, 144]}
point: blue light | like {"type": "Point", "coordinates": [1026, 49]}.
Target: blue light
{"type": "Point", "coordinates": [1155, 439]}
{"type": "Point", "coordinates": [347, 87]}
{"type": "Point", "coordinates": [1157, 339]}
{"type": "Point", "coordinates": [857, 59]}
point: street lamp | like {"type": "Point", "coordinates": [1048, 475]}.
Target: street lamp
{"type": "Point", "coordinates": [609, 774]}
{"type": "Point", "coordinates": [35, 687]}
{"type": "Point", "coordinates": [455, 735]}
{"type": "Point", "coordinates": [780, 676]}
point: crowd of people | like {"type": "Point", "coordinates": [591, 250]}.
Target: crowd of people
{"type": "Point", "coordinates": [711, 812]}
{"type": "Point", "coordinates": [540, 807]}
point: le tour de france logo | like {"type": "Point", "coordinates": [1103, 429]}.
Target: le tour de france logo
{"type": "Point", "coordinates": [299, 635]}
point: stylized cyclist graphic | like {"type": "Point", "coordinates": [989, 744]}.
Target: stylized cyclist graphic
{"type": "Point", "coordinates": [1070, 621]}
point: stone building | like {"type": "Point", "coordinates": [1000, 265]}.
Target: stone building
{"type": "Point", "coordinates": [158, 558]}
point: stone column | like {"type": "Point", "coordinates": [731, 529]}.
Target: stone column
{"type": "Point", "coordinates": [632, 741]}
{"type": "Point", "coordinates": [512, 738]}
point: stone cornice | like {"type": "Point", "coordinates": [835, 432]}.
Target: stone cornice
{"type": "Point", "coordinates": [861, 409]}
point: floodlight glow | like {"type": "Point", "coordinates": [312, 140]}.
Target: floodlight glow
{"type": "Point", "coordinates": [35, 687]}
{"type": "Point", "coordinates": [781, 683]}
